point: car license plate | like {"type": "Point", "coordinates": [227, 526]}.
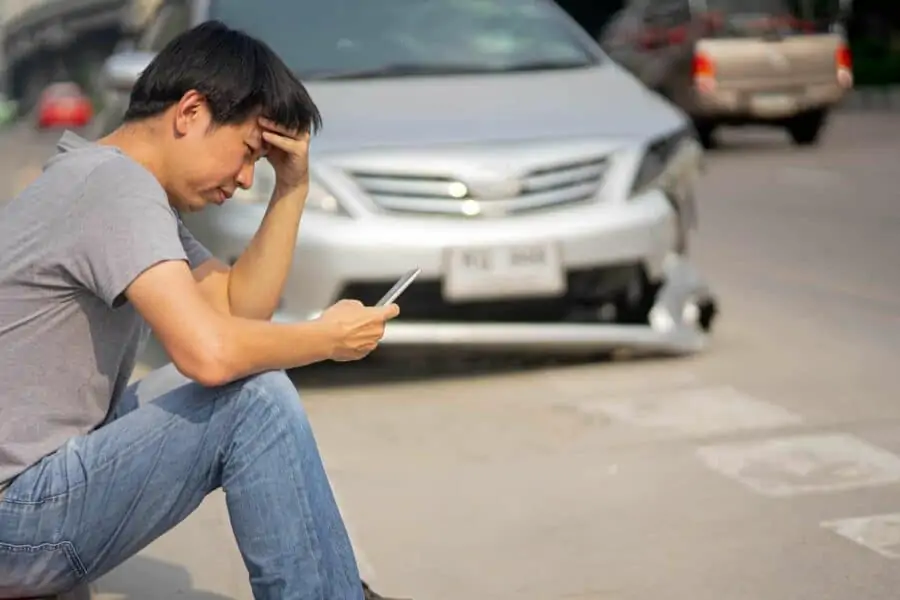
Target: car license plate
{"type": "Point", "coordinates": [532, 270]}
{"type": "Point", "coordinates": [774, 104]}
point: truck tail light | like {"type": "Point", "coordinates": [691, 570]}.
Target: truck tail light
{"type": "Point", "coordinates": [704, 70]}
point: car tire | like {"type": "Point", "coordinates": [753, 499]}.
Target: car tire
{"type": "Point", "coordinates": [706, 134]}
{"type": "Point", "coordinates": [806, 129]}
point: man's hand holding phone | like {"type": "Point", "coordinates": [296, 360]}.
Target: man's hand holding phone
{"type": "Point", "coordinates": [357, 328]}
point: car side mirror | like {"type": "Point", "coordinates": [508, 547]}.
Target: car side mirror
{"type": "Point", "coordinates": [121, 71]}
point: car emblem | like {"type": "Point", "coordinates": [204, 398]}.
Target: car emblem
{"type": "Point", "coordinates": [493, 187]}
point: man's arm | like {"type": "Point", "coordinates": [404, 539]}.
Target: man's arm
{"type": "Point", "coordinates": [214, 348]}
{"type": "Point", "coordinates": [253, 286]}
{"type": "Point", "coordinates": [256, 280]}
{"type": "Point", "coordinates": [212, 277]}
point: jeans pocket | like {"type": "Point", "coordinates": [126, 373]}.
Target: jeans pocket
{"type": "Point", "coordinates": [27, 571]}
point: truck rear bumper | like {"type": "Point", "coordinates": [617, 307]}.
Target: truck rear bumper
{"type": "Point", "coordinates": [763, 104]}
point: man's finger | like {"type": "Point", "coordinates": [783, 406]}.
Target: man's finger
{"type": "Point", "coordinates": [391, 311]}
{"type": "Point", "coordinates": [281, 142]}
{"type": "Point", "coordinates": [270, 125]}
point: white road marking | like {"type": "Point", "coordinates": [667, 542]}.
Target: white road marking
{"type": "Point", "coordinates": [694, 411]}
{"type": "Point", "coordinates": [879, 533]}
{"type": "Point", "coordinates": [580, 382]}
{"type": "Point", "coordinates": [795, 465]}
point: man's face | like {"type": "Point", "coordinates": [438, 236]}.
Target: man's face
{"type": "Point", "coordinates": [206, 163]}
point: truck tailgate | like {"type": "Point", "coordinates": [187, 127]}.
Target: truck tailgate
{"type": "Point", "coordinates": [755, 62]}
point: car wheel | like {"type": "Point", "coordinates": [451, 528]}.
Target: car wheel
{"type": "Point", "coordinates": [706, 134]}
{"type": "Point", "coordinates": [806, 129]}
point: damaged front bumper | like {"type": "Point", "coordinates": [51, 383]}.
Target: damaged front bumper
{"type": "Point", "coordinates": [678, 324]}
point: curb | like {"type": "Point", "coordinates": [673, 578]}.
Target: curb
{"type": "Point", "coordinates": [885, 98]}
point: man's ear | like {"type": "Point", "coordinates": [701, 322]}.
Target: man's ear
{"type": "Point", "coordinates": [190, 112]}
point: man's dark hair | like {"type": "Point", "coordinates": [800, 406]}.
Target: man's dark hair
{"type": "Point", "coordinates": [239, 75]}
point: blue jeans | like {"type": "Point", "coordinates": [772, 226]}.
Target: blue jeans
{"type": "Point", "coordinates": [102, 497]}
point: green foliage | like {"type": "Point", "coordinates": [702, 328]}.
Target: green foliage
{"type": "Point", "coordinates": [875, 63]}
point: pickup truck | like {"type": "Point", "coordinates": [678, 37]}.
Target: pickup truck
{"type": "Point", "coordinates": [734, 62]}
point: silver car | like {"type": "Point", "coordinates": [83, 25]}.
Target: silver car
{"type": "Point", "coordinates": [544, 193]}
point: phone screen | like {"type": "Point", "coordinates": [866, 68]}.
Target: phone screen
{"type": "Point", "coordinates": [399, 287]}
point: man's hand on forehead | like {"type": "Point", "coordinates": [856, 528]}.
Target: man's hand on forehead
{"type": "Point", "coordinates": [288, 152]}
{"type": "Point", "coordinates": [273, 127]}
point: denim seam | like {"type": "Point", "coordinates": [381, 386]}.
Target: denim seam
{"type": "Point", "coordinates": [311, 534]}
{"type": "Point", "coordinates": [75, 559]}
{"type": "Point", "coordinates": [66, 546]}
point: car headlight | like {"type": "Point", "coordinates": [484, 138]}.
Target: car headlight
{"type": "Point", "coordinates": [318, 199]}
{"type": "Point", "coordinates": [657, 159]}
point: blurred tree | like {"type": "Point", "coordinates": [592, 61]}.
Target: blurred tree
{"type": "Point", "coordinates": [874, 32]}
{"type": "Point", "coordinates": [593, 14]}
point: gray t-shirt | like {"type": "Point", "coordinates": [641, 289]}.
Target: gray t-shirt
{"type": "Point", "coordinates": [70, 245]}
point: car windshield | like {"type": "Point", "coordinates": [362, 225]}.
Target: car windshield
{"type": "Point", "coordinates": [754, 17]}
{"type": "Point", "coordinates": [380, 38]}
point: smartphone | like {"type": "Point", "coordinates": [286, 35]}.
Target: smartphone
{"type": "Point", "coordinates": [399, 287]}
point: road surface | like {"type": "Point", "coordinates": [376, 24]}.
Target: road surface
{"type": "Point", "coordinates": [768, 467]}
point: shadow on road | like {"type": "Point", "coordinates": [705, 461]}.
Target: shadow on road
{"type": "Point", "coordinates": [754, 140]}
{"type": "Point", "coordinates": [143, 578]}
{"type": "Point", "coordinates": [397, 368]}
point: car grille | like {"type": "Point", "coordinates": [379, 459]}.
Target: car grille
{"type": "Point", "coordinates": [551, 186]}
{"type": "Point", "coordinates": [587, 290]}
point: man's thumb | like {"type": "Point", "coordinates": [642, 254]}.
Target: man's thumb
{"type": "Point", "coordinates": [391, 311]}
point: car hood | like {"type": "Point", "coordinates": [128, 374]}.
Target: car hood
{"type": "Point", "coordinates": [405, 112]}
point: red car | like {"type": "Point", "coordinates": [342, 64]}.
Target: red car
{"type": "Point", "coordinates": [64, 105]}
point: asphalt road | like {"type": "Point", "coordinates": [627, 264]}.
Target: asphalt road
{"type": "Point", "coordinates": [768, 467]}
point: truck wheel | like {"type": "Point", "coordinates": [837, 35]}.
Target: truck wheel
{"type": "Point", "coordinates": [805, 129]}
{"type": "Point", "coordinates": [706, 134]}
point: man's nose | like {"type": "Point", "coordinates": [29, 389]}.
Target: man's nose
{"type": "Point", "coordinates": [245, 177]}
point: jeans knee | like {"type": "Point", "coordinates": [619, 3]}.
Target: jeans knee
{"type": "Point", "coordinates": [274, 391]}
{"type": "Point", "coordinates": [275, 384]}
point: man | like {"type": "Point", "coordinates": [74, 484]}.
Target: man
{"type": "Point", "coordinates": [93, 252]}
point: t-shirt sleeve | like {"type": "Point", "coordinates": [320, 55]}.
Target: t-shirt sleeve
{"type": "Point", "coordinates": [196, 252]}
{"type": "Point", "coordinates": [125, 227]}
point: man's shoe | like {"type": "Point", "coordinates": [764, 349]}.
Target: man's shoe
{"type": "Point", "coordinates": [368, 594]}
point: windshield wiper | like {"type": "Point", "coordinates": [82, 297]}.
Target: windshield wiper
{"type": "Point", "coordinates": [396, 70]}
{"type": "Point", "coordinates": [547, 65]}
{"type": "Point", "coordinates": [413, 69]}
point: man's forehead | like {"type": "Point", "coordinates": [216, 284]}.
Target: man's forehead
{"type": "Point", "coordinates": [252, 130]}
{"type": "Point", "coordinates": [252, 134]}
